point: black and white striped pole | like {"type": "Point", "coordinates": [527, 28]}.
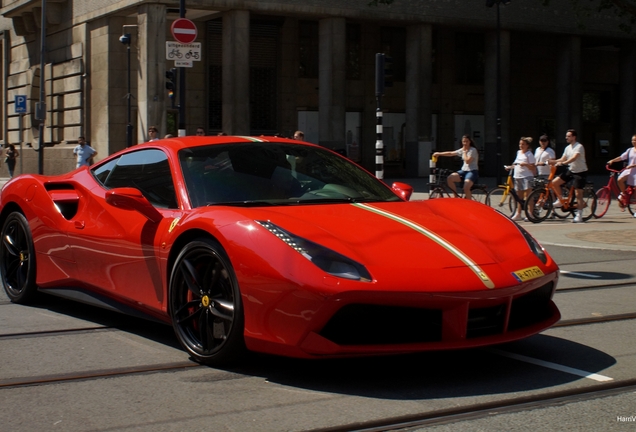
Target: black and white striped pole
{"type": "Point", "coordinates": [379, 92]}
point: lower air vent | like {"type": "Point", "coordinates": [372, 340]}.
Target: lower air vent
{"type": "Point", "coordinates": [531, 308]}
{"type": "Point", "coordinates": [360, 324]}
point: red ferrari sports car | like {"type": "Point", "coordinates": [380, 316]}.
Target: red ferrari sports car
{"type": "Point", "coordinates": [276, 246]}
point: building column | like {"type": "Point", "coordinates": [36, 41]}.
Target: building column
{"type": "Point", "coordinates": [568, 91]}
{"type": "Point", "coordinates": [626, 86]}
{"type": "Point", "coordinates": [236, 72]}
{"type": "Point", "coordinates": [332, 82]}
{"type": "Point", "coordinates": [151, 92]}
{"type": "Point", "coordinates": [419, 83]}
{"type": "Point", "coordinates": [490, 101]}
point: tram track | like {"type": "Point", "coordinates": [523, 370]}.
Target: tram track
{"type": "Point", "coordinates": [487, 409]}
{"type": "Point", "coordinates": [48, 333]}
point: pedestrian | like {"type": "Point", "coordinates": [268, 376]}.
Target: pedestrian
{"type": "Point", "coordinates": [524, 167]}
{"type": "Point", "coordinates": [200, 131]}
{"type": "Point", "coordinates": [469, 173]}
{"type": "Point", "coordinates": [299, 135]}
{"type": "Point", "coordinates": [84, 152]}
{"type": "Point", "coordinates": [574, 158]}
{"type": "Point", "coordinates": [542, 155]}
{"type": "Point", "coordinates": [628, 175]}
{"type": "Point", "coordinates": [153, 133]}
{"type": "Point", "coordinates": [10, 156]}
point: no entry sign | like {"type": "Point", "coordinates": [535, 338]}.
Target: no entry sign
{"type": "Point", "coordinates": [183, 30]}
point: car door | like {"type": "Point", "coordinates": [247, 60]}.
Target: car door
{"type": "Point", "coordinates": [118, 251]}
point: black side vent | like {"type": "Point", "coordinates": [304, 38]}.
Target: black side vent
{"type": "Point", "coordinates": [531, 308]}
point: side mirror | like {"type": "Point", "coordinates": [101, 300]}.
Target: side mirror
{"type": "Point", "coordinates": [132, 199]}
{"type": "Point", "coordinates": [403, 190]}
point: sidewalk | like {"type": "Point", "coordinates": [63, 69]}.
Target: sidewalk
{"type": "Point", "coordinates": [616, 230]}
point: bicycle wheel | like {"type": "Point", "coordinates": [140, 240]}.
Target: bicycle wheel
{"type": "Point", "coordinates": [538, 205]}
{"type": "Point", "coordinates": [499, 199]}
{"type": "Point", "coordinates": [479, 195]}
{"type": "Point", "coordinates": [603, 200]}
{"type": "Point", "coordinates": [437, 192]}
{"type": "Point", "coordinates": [631, 205]}
{"type": "Point", "coordinates": [589, 198]}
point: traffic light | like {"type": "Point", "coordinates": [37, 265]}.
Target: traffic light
{"type": "Point", "coordinates": [171, 84]}
{"type": "Point", "coordinates": [388, 71]}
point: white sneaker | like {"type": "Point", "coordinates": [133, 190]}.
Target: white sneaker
{"type": "Point", "coordinates": [557, 204]}
{"type": "Point", "coordinates": [516, 217]}
{"type": "Point", "coordinates": [578, 217]}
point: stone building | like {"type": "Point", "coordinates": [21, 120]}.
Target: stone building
{"type": "Point", "coordinates": [270, 67]}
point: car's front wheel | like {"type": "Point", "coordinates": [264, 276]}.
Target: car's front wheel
{"type": "Point", "coordinates": [205, 303]}
{"type": "Point", "coordinates": [17, 259]}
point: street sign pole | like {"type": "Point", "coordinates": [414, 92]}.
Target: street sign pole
{"type": "Point", "coordinates": [182, 83]}
{"type": "Point", "coordinates": [20, 105]}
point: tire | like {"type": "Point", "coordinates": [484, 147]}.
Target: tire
{"type": "Point", "coordinates": [502, 201]}
{"type": "Point", "coordinates": [438, 192]}
{"type": "Point", "coordinates": [603, 201]}
{"type": "Point", "coordinates": [538, 205]}
{"type": "Point", "coordinates": [205, 304]}
{"type": "Point", "coordinates": [631, 205]}
{"type": "Point", "coordinates": [479, 195]}
{"type": "Point", "coordinates": [589, 197]}
{"type": "Point", "coordinates": [17, 260]}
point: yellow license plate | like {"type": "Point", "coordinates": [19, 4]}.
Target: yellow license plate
{"type": "Point", "coordinates": [528, 273]}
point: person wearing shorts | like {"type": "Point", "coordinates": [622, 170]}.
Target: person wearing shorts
{"type": "Point", "coordinates": [574, 158]}
{"type": "Point", "coordinates": [469, 173]}
{"type": "Point", "coordinates": [628, 175]}
{"type": "Point", "coordinates": [524, 166]}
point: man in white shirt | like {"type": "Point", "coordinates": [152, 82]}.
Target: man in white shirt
{"type": "Point", "coordinates": [574, 157]}
{"type": "Point", "coordinates": [84, 152]}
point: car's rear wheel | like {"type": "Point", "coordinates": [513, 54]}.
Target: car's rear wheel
{"type": "Point", "coordinates": [205, 303]}
{"type": "Point", "coordinates": [17, 259]}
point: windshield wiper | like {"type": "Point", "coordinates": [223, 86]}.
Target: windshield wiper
{"type": "Point", "coordinates": [250, 203]}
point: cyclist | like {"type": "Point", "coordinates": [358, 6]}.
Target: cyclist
{"type": "Point", "coordinates": [524, 166]}
{"type": "Point", "coordinates": [628, 175]}
{"type": "Point", "coordinates": [469, 173]}
{"type": "Point", "coordinates": [574, 157]}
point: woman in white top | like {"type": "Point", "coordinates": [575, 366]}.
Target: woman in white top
{"type": "Point", "coordinates": [469, 173]}
{"type": "Point", "coordinates": [524, 166]}
{"type": "Point", "coordinates": [628, 175]}
{"type": "Point", "coordinates": [542, 155]}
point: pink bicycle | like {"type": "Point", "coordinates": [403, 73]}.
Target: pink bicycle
{"type": "Point", "coordinates": [604, 195]}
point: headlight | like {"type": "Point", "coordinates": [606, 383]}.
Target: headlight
{"type": "Point", "coordinates": [534, 245]}
{"type": "Point", "coordinates": [327, 260]}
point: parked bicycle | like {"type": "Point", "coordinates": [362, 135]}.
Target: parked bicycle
{"type": "Point", "coordinates": [439, 188]}
{"type": "Point", "coordinates": [604, 195]}
{"type": "Point", "coordinates": [540, 202]}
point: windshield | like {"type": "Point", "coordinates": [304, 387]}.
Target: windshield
{"type": "Point", "coordinates": [275, 174]}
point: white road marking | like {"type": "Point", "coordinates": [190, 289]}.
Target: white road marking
{"type": "Point", "coordinates": [550, 365]}
{"type": "Point", "coordinates": [587, 275]}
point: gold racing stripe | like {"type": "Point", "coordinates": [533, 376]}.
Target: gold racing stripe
{"type": "Point", "coordinates": [437, 239]}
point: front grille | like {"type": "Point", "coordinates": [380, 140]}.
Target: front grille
{"type": "Point", "coordinates": [531, 308]}
{"type": "Point", "coordinates": [485, 321]}
{"type": "Point", "coordinates": [359, 324]}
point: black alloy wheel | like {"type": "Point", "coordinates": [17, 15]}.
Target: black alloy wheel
{"type": "Point", "coordinates": [17, 260]}
{"type": "Point", "coordinates": [205, 303]}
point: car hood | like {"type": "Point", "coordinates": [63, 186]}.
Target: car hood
{"type": "Point", "coordinates": [414, 238]}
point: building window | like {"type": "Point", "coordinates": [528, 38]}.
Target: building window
{"type": "Point", "coordinates": [469, 58]}
{"type": "Point", "coordinates": [308, 49]}
{"type": "Point", "coordinates": [353, 51]}
{"type": "Point", "coordinates": [393, 40]}
{"type": "Point", "coordinates": [597, 107]}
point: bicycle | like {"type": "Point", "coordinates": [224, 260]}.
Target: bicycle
{"type": "Point", "coordinates": [440, 189]}
{"type": "Point", "coordinates": [604, 195]}
{"type": "Point", "coordinates": [505, 197]}
{"type": "Point", "coordinates": [540, 202]}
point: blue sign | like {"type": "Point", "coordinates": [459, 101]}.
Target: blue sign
{"type": "Point", "coordinates": [20, 104]}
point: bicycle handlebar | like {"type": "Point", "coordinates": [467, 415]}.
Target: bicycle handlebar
{"type": "Point", "coordinates": [607, 167]}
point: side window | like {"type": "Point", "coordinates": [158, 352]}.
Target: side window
{"type": "Point", "coordinates": [146, 170]}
